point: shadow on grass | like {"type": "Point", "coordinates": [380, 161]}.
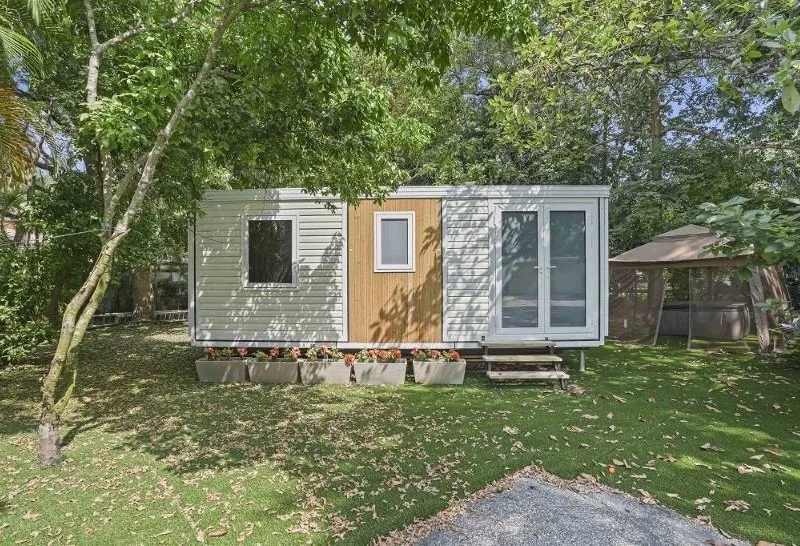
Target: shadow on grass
{"type": "Point", "coordinates": [415, 448]}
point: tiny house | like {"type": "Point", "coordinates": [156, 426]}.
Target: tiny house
{"type": "Point", "coordinates": [430, 267]}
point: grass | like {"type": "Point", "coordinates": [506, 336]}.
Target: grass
{"type": "Point", "coordinates": [154, 456]}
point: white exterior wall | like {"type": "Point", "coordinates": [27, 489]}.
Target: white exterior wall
{"type": "Point", "coordinates": [224, 311]}
{"type": "Point", "coordinates": [467, 269]}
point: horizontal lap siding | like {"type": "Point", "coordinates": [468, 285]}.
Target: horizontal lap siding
{"type": "Point", "coordinates": [467, 259]}
{"type": "Point", "coordinates": [225, 311]}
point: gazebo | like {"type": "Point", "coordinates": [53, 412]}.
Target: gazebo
{"type": "Point", "coordinates": [718, 307]}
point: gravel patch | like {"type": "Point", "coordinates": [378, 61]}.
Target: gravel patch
{"type": "Point", "coordinates": [538, 508]}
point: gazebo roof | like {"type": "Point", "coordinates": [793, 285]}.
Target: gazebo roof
{"type": "Point", "coordinates": [687, 246]}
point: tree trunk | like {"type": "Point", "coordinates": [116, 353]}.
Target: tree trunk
{"type": "Point", "coordinates": [656, 134]}
{"type": "Point", "coordinates": [144, 298]}
{"type": "Point", "coordinates": [81, 308]}
{"type": "Point", "coordinates": [760, 315]}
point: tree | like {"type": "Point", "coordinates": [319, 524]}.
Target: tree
{"type": "Point", "coordinates": [126, 131]}
{"type": "Point", "coordinates": [770, 235]}
{"type": "Point", "coordinates": [657, 99]}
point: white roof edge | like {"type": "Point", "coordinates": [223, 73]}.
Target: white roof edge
{"type": "Point", "coordinates": [460, 192]}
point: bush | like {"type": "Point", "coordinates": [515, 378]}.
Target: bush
{"type": "Point", "coordinates": [23, 322]}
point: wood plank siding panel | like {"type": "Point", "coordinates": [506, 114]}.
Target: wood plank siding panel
{"type": "Point", "coordinates": [468, 277]}
{"type": "Point", "coordinates": [395, 307]}
{"type": "Point", "coordinates": [226, 311]}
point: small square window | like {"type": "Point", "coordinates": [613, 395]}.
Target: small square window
{"type": "Point", "coordinates": [394, 241]}
{"type": "Point", "coordinates": [270, 251]}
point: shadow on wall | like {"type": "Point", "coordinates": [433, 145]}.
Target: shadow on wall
{"type": "Point", "coordinates": [414, 313]}
{"type": "Point", "coordinates": [228, 311]}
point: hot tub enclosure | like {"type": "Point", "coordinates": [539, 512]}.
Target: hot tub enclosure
{"type": "Point", "coordinates": [720, 305]}
{"type": "Point", "coordinates": [431, 266]}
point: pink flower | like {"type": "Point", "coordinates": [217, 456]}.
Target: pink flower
{"type": "Point", "coordinates": [241, 351]}
{"type": "Point", "coordinates": [349, 359]}
{"type": "Point", "coordinates": [435, 355]}
{"type": "Point", "coordinates": [275, 352]}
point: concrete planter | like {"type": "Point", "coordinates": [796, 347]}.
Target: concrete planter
{"type": "Point", "coordinates": [381, 373]}
{"type": "Point", "coordinates": [233, 370]}
{"type": "Point", "coordinates": [324, 371]}
{"type": "Point", "coordinates": [272, 371]}
{"type": "Point", "coordinates": [439, 372]}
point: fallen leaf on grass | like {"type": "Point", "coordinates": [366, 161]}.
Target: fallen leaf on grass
{"type": "Point", "coordinates": [576, 390]}
{"type": "Point", "coordinates": [736, 506]}
{"type": "Point", "coordinates": [590, 416]}
{"type": "Point", "coordinates": [647, 498]}
{"type": "Point", "coordinates": [217, 532]}
{"type": "Point", "coordinates": [708, 447]}
{"type": "Point", "coordinates": [790, 507]}
{"type": "Point", "coordinates": [747, 469]}
{"type": "Point", "coordinates": [31, 516]}
{"type": "Point", "coordinates": [745, 408]}
{"type": "Point", "coordinates": [510, 430]}
{"type": "Point", "coordinates": [758, 457]}
{"type": "Point", "coordinates": [701, 503]}
{"type": "Point", "coordinates": [618, 398]}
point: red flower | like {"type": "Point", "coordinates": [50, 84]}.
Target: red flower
{"type": "Point", "coordinates": [275, 352]}
{"type": "Point", "coordinates": [210, 353]}
{"type": "Point", "coordinates": [435, 355]}
{"type": "Point", "coordinates": [349, 359]}
{"type": "Point", "coordinates": [452, 356]}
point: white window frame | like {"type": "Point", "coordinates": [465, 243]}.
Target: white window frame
{"type": "Point", "coordinates": [388, 268]}
{"type": "Point", "coordinates": [246, 250]}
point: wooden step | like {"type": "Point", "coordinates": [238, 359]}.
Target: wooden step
{"type": "Point", "coordinates": [522, 344]}
{"type": "Point", "coordinates": [522, 359]}
{"type": "Point", "coordinates": [522, 375]}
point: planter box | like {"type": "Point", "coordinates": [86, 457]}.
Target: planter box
{"type": "Point", "coordinates": [324, 371]}
{"type": "Point", "coordinates": [381, 373]}
{"type": "Point", "coordinates": [221, 371]}
{"type": "Point", "coordinates": [272, 371]}
{"type": "Point", "coordinates": [437, 372]}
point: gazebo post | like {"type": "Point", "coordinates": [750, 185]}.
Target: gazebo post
{"type": "Point", "coordinates": [691, 302]}
{"type": "Point", "coordinates": [660, 306]}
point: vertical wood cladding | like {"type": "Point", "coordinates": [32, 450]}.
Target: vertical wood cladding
{"type": "Point", "coordinates": [395, 307]}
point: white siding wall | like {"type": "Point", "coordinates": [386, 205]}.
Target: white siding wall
{"type": "Point", "coordinates": [226, 311]}
{"type": "Point", "coordinates": [467, 273]}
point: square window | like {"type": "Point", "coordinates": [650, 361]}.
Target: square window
{"type": "Point", "coordinates": [270, 245]}
{"type": "Point", "coordinates": [394, 241]}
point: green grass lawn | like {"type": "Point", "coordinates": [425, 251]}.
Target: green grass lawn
{"type": "Point", "coordinates": [154, 456]}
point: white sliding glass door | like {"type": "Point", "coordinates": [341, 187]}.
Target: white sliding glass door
{"type": "Point", "coordinates": [546, 270]}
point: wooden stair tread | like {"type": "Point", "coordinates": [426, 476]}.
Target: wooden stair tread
{"type": "Point", "coordinates": [499, 375]}
{"type": "Point", "coordinates": [503, 344]}
{"type": "Point", "coordinates": [522, 359]}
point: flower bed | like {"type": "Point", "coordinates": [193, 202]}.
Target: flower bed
{"type": "Point", "coordinates": [221, 366]}
{"type": "Point", "coordinates": [325, 364]}
{"type": "Point", "coordinates": [438, 367]}
{"type": "Point", "coordinates": [380, 367]}
{"type": "Point", "coordinates": [276, 366]}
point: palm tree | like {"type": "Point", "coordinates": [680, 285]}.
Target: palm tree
{"type": "Point", "coordinates": [18, 55]}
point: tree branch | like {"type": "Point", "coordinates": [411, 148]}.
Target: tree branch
{"type": "Point", "coordinates": [133, 32]}
{"type": "Point", "coordinates": [722, 140]}
{"type": "Point", "coordinates": [166, 133]}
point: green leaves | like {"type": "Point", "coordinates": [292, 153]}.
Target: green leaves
{"type": "Point", "coordinates": [790, 98]}
{"type": "Point", "coordinates": [771, 235]}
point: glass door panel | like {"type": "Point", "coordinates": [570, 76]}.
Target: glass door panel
{"type": "Point", "coordinates": [567, 268]}
{"type": "Point", "coordinates": [520, 295]}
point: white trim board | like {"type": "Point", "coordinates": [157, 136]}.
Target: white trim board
{"type": "Point", "coordinates": [422, 192]}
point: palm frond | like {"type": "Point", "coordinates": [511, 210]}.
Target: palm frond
{"type": "Point", "coordinates": [41, 8]}
{"type": "Point", "coordinates": [15, 143]}
{"type": "Point", "coordinates": [19, 51]}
